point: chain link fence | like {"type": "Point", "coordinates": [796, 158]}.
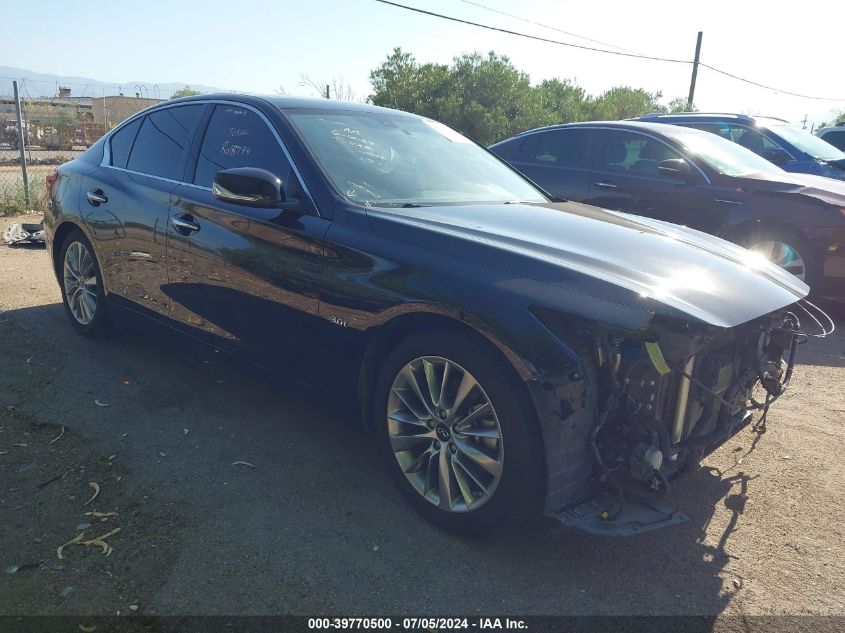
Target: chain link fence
{"type": "Point", "coordinates": [51, 130]}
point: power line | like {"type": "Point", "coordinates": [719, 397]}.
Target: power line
{"type": "Point", "coordinates": [547, 26]}
{"type": "Point", "coordinates": [535, 37]}
{"type": "Point", "coordinates": [602, 50]}
{"type": "Point", "coordinates": [759, 85]}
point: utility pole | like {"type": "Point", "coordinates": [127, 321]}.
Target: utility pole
{"type": "Point", "coordinates": [804, 123]}
{"type": "Point", "coordinates": [21, 142]}
{"type": "Point", "coordinates": [327, 92]}
{"type": "Point", "coordinates": [694, 71]}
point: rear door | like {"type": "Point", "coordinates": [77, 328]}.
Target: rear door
{"type": "Point", "coordinates": [627, 179]}
{"type": "Point", "coordinates": [558, 160]}
{"type": "Point", "coordinates": [243, 278]}
{"type": "Point", "coordinates": [128, 201]}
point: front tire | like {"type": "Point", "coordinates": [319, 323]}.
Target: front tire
{"type": "Point", "coordinates": [458, 435]}
{"type": "Point", "coordinates": [788, 250]}
{"type": "Point", "coordinates": [81, 283]}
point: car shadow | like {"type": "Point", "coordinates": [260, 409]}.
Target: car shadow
{"type": "Point", "coordinates": [319, 505]}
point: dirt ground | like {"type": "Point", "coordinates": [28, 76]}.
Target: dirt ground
{"type": "Point", "coordinates": [312, 525]}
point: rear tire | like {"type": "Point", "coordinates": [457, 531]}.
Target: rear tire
{"type": "Point", "coordinates": [81, 282]}
{"type": "Point", "coordinates": [493, 460]}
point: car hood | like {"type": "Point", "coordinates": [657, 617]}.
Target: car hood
{"type": "Point", "coordinates": [828, 190]}
{"type": "Point", "coordinates": [625, 259]}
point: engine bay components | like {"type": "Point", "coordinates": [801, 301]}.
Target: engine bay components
{"type": "Point", "coordinates": [672, 400]}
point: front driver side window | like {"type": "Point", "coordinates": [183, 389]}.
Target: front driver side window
{"type": "Point", "coordinates": [238, 137]}
{"type": "Point", "coordinates": [752, 139]}
{"type": "Point", "coordinates": [633, 153]}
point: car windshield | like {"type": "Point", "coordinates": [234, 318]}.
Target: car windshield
{"type": "Point", "coordinates": [722, 155]}
{"type": "Point", "coordinates": [807, 143]}
{"type": "Point", "coordinates": [392, 160]}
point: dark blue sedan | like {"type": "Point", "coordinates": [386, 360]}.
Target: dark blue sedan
{"type": "Point", "coordinates": [689, 177]}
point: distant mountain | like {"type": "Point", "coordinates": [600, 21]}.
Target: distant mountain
{"type": "Point", "coordinates": [35, 84]}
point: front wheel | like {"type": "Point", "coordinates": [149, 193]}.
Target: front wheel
{"type": "Point", "coordinates": [789, 251]}
{"type": "Point", "coordinates": [459, 439]}
{"type": "Point", "coordinates": [82, 286]}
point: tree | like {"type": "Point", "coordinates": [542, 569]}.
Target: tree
{"type": "Point", "coordinates": [679, 104]}
{"type": "Point", "coordinates": [562, 101]}
{"type": "Point", "coordinates": [403, 84]}
{"type": "Point", "coordinates": [482, 96]}
{"type": "Point", "coordinates": [623, 102]}
{"type": "Point", "coordinates": [187, 91]}
{"type": "Point", "coordinates": [338, 88]}
{"type": "Point", "coordinates": [488, 99]}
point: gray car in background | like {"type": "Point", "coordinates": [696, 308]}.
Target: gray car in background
{"type": "Point", "coordinates": [834, 135]}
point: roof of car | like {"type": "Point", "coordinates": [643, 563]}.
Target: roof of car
{"type": "Point", "coordinates": [706, 116]}
{"type": "Point", "coordinates": [286, 102]}
{"type": "Point", "coordinates": [658, 128]}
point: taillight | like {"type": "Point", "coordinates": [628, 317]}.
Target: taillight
{"type": "Point", "coordinates": [51, 178]}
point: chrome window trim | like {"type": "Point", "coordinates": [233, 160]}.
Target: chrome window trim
{"type": "Point", "coordinates": [623, 129]}
{"type": "Point", "coordinates": [140, 173]}
{"type": "Point", "coordinates": [107, 145]}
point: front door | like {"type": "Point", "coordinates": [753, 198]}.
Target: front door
{"type": "Point", "coordinates": [627, 179]}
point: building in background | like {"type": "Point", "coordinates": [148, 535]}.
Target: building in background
{"type": "Point", "coordinates": [109, 111]}
{"type": "Point", "coordinates": [66, 122]}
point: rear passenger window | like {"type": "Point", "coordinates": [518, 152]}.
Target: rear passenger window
{"type": "Point", "coordinates": [163, 140]}
{"type": "Point", "coordinates": [560, 148]}
{"type": "Point", "coordinates": [121, 143]}
{"type": "Point", "coordinates": [751, 139]}
{"type": "Point", "coordinates": [238, 137]}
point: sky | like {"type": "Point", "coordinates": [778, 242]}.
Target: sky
{"type": "Point", "coordinates": [261, 45]}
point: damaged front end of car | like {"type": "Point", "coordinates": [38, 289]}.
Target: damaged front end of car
{"type": "Point", "coordinates": [666, 397]}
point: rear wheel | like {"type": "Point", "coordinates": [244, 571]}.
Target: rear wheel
{"type": "Point", "coordinates": [458, 437]}
{"type": "Point", "coordinates": [82, 286]}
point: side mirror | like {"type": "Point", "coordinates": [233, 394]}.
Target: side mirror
{"type": "Point", "coordinates": [675, 168]}
{"type": "Point", "coordinates": [249, 186]}
{"type": "Point", "coordinates": [776, 155]}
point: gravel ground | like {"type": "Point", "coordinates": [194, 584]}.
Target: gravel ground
{"type": "Point", "coordinates": [316, 527]}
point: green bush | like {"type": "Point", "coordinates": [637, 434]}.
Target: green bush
{"type": "Point", "coordinates": [13, 198]}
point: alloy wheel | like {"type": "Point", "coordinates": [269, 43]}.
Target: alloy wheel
{"type": "Point", "coordinates": [80, 282]}
{"type": "Point", "coordinates": [784, 256]}
{"type": "Point", "coordinates": [445, 434]}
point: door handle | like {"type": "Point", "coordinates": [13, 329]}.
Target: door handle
{"type": "Point", "coordinates": [607, 184]}
{"type": "Point", "coordinates": [96, 197]}
{"type": "Point", "coordinates": [185, 224]}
